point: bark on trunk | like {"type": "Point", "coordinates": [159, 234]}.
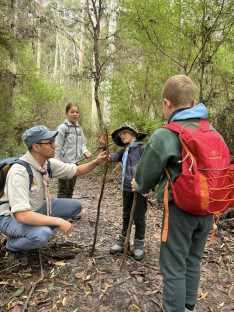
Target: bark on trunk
{"type": "Point", "coordinates": [39, 41]}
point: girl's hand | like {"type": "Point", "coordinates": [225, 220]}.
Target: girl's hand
{"type": "Point", "coordinates": [88, 154]}
{"type": "Point", "coordinates": [102, 139]}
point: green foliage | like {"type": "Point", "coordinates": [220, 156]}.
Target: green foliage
{"type": "Point", "coordinates": [175, 37]}
{"type": "Point", "coordinates": [26, 99]}
{"type": "Point", "coordinates": [155, 40]}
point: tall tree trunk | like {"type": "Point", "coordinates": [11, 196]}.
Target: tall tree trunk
{"type": "Point", "coordinates": [94, 107]}
{"type": "Point", "coordinates": [60, 50]}
{"type": "Point", "coordinates": [7, 85]}
{"type": "Point", "coordinates": [110, 67]}
{"type": "Point", "coordinates": [15, 20]}
{"type": "Point", "coordinates": [76, 61]}
{"type": "Point", "coordinates": [96, 76]}
{"type": "Point", "coordinates": [57, 43]}
{"type": "Point", "coordinates": [56, 54]}
{"type": "Point", "coordinates": [64, 53]}
{"type": "Point", "coordinates": [82, 48]}
{"type": "Point", "coordinates": [95, 19]}
{"type": "Point", "coordinates": [39, 41]}
{"type": "Point", "coordinates": [82, 41]}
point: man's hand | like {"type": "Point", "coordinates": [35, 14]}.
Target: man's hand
{"type": "Point", "coordinates": [34, 218]}
{"type": "Point", "coordinates": [65, 227]}
{"type": "Point", "coordinates": [86, 168]}
{"type": "Point", "coordinates": [101, 158]}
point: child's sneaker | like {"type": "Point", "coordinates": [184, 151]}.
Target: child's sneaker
{"type": "Point", "coordinates": [138, 249]}
{"type": "Point", "coordinates": [187, 310]}
{"type": "Point", "coordinates": [118, 248]}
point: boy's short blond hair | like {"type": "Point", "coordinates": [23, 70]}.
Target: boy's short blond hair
{"type": "Point", "coordinates": [180, 90]}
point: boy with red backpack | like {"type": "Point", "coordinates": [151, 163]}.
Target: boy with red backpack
{"type": "Point", "coordinates": [184, 234]}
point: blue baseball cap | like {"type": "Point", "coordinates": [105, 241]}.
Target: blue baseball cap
{"type": "Point", "coordinates": [36, 134]}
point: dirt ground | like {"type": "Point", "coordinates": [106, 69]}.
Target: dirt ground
{"type": "Point", "coordinates": [65, 278]}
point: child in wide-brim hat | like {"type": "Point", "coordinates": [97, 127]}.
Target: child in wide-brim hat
{"type": "Point", "coordinates": [127, 126]}
{"type": "Point", "coordinates": [128, 137]}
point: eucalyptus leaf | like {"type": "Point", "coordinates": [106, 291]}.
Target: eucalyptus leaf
{"type": "Point", "coordinates": [19, 291]}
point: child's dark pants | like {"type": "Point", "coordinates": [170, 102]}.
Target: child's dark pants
{"type": "Point", "coordinates": [139, 215]}
{"type": "Point", "coordinates": [66, 187]}
{"type": "Point", "coordinates": [180, 257]}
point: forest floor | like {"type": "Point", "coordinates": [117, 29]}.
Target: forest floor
{"type": "Point", "coordinates": [65, 277]}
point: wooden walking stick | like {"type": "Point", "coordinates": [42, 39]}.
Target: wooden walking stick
{"type": "Point", "coordinates": [129, 230]}
{"type": "Point", "coordinates": [101, 194]}
{"type": "Point", "coordinates": [98, 149]}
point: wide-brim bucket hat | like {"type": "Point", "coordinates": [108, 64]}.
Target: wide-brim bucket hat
{"type": "Point", "coordinates": [129, 126]}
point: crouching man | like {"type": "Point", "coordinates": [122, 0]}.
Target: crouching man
{"type": "Point", "coordinates": [25, 216]}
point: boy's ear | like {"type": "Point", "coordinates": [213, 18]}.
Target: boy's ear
{"type": "Point", "coordinates": [194, 103]}
{"type": "Point", "coordinates": [167, 103]}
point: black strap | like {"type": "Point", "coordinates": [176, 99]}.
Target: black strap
{"type": "Point", "coordinates": [67, 130]}
{"type": "Point", "coordinates": [22, 163]}
{"type": "Point", "coordinates": [49, 171]}
{"type": "Point", "coordinates": [28, 168]}
{"type": "Point", "coordinates": [141, 149]}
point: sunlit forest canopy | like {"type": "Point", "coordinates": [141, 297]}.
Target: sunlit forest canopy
{"type": "Point", "coordinates": [112, 59]}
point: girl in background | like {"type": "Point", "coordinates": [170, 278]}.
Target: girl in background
{"type": "Point", "coordinates": [70, 144]}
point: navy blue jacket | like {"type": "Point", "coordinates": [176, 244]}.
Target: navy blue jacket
{"type": "Point", "coordinates": [134, 155]}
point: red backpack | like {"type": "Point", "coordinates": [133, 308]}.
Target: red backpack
{"type": "Point", "coordinates": [206, 183]}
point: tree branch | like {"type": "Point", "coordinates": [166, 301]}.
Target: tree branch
{"type": "Point", "coordinates": [206, 39]}
{"type": "Point", "coordinates": [102, 190]}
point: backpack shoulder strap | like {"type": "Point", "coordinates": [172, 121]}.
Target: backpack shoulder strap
{"type": "Point", "coordinates": [5, 167]}
{"type": "Point", "coordinates": [166, 205]}
{"type": "Point", "coordinates": [141, 149]}
{"type": "Point", "coordinates": [205, 124]}
{"type": "Point", "coordinates": [49, 171]}
{"type": "Point", "coordinates": [67, 129]}
{"type": "Point", "coordinates": [174, 126]}
{"type": "Point", "coordinates": [28, 168]}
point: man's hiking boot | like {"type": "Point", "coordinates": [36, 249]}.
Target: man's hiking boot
{"type": "Point", "coordinates": [49, 245]}
{"type": "Point", "coordinates": [118, 248]}
{"type": "Point", "coordinates": [77, 217]}
{"type": "Point", "coordinates": [18, 257]}
{"type": "Point", "coordinates": [138, 249]}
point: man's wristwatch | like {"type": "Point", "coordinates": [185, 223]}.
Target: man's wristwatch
{"type": "Point", "coordinates": [95, 164]}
